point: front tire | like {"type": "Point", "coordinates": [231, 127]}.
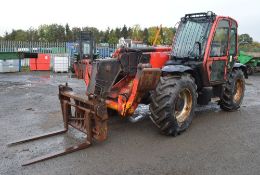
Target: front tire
{"type": "Point", "coordinates": [173, 104]}
{"type": "Point", "coordinates": [234, 90]}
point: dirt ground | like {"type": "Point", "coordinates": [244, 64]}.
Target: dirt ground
{"type": "Point", "coordinates": [217, 142]}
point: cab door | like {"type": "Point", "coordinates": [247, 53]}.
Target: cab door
{"type": "Point", "coordinates": [233, 49]}
{"type": "Point", "coordinates": [218, 54]}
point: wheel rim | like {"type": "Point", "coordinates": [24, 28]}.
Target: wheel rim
{"type": "Point", "coordinates": [183, 105]}
{"type": "Point", "coordinates": [239, 88]}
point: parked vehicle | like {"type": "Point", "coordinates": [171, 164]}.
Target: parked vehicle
{"type": "Point", "coordinates": [251, 60]}
{"type": "Point", "coordinates": [200, 65]}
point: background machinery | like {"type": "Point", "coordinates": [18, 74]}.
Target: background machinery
{"type": "Point", "coordinates": [251, 60]}
{"type": "Point", "coordinates": [201, 65]}
{"type": "Point", "coordinates": [84, 53]}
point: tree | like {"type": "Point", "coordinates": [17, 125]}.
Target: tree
{"type": "Point", "coordinates": [168, 34]}
{"type": "Point", "coordinates": [152, 33]}
{"type": "Point", "coordinates": [94, 31]}
{"type": "Point", "coordinates": [130, 32]}
{"type": "Point", "coordinates": [101, 37]}
{"type": "Point", "coordinates": [32, 34]}
{"type": "Point", "coordinates": [17, 35]}
{"type": "Point", "coordinates": [118, 32]}
{"type": "Point", "coordinates": [106, 35]}
{"type": "Point", "coordinates": [162, 35]}
{"type": "Point", "coordinates": [137, 33]}
{"type": "Point", "coordinates": [124, 32]}
{"type": "Point", "coordinates": [245, 39]}
{"type": "Point", "coordinates": [247, 44]}
{"type": "Point", "coordinates": [52, 33]}
{"type": "Point", "coordinates": [112, 39]}
{"type": "Point", "coordinates": [145, 36]}
{"type": "Point", "coordinates": [11, 36]}
{"type": "Point", "coordinates": [68, 33]}
{"type": "Point", "coordinates": [6, 36]}
{"type": "Point", "coordinates": [75, 33]}
{"type": "Point", "coordinates": [59, 33]}
{"type": "Point", "coordinates": [21, 35]}
{"type": "Point", "coordinates": [42, 30]}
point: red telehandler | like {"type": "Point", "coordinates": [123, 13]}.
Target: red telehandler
{"type": "Point", "coordinates": [201, 65]}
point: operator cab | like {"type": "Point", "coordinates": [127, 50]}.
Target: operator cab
{"type": "Point", "coordinates": [191, 36]}
{"type": "Point", "coordinates": [204, 44]}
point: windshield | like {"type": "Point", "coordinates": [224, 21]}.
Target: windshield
{"type": "Point", "coordinates": [190, 34]}
{"type": "Point", "coordinates": [86, 48]}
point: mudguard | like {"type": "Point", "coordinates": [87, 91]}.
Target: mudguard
{"type": "Point", "coordinates": [176, 68]}
{"type": "Point", "coordinates": [242, 67]}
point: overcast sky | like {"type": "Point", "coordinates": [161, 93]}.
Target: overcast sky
{"type": "Point", "coordinates": [22, 14]}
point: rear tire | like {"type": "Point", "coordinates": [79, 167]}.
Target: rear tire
{"type": "Point", "coordinates": [173, 104]}
{"type": "Point", "coordinates": [234, 90]}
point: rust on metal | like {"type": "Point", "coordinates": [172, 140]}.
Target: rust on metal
{"type": "Point", "coordinates": [58, 153]}
{"type": "Point", "coordinates": [83, 70]}
{"type": "Point", "coordinates": [118, 83]}
{"type": "Point", "coordinates": [87, 115]}
{"type": "Point", "coordinates": [38, 137]}
{"type": "Point", "coordinates": [146, 79]}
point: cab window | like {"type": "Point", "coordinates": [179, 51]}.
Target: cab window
{"type": "Point", "coordinates": [233, 40]}
{"type": "Point", "coordinates": [219, 44]}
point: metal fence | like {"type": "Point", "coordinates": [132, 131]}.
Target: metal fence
{"type": "Point", "coordinates": [53, 48]}
{"type": "Point", "coordinates": [106, 50]}
{"type": "Point", "coordinates": [35, 47]}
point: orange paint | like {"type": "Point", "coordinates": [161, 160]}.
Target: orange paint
{"type": "Point", "coordinates": [158, 59]}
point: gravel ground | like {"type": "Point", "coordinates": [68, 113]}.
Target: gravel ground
{"type": "Point", "coordinates": [217, 142]}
